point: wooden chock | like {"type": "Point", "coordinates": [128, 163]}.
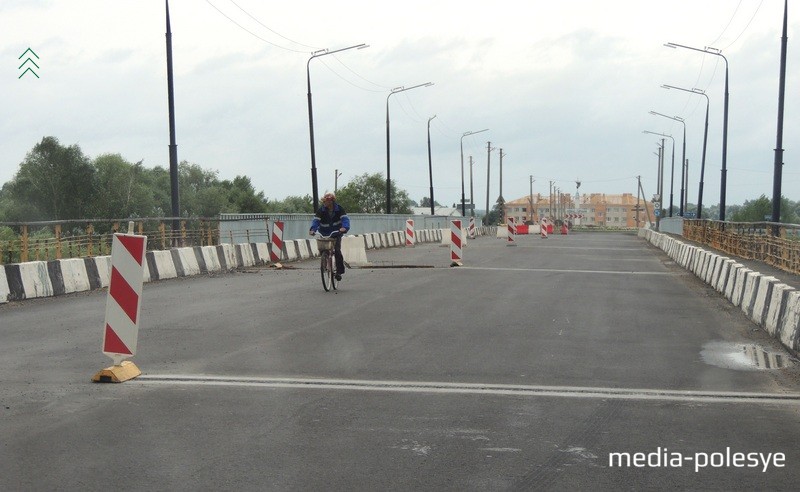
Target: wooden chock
{"type": "Point", "coordinates": [117, 374]}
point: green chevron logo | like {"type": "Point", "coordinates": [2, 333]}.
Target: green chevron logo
{"type": "Point", "coordinates": [28, 61]}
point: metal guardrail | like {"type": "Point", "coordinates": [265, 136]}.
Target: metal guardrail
{"type": "Point", "coordinates": [750, 240]}
{"type": "Point", "coordinates": [55, 240]}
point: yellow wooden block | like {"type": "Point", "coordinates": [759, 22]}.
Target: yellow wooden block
{"type": "Point", "coordinates": [117, 374]}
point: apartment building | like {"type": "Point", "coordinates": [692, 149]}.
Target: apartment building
{"type": "Point", "coordinates": [594, 209]}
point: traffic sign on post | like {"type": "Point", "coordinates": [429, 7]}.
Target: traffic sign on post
{"type": "Point", "coordinates": [123, 306]}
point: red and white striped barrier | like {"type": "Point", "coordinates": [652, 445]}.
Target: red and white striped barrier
{"type": "Point", "coordinates": [410, 239]}
{"type": "Point", "coordinates": [472, 227]}
{"type": "Point", "coordinates": [512, 231]}
{"type": "Point", "coordinates": [456, 243]}
{"type": "Point", "coordinates": [544, 228]}
{"type": "Point", "coordinates": [123, 306]}
{"type": "Point", "coordinates": [276, 245]}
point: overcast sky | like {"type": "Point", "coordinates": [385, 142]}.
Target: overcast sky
{"type": "Point", "coordinates": [564, 87]}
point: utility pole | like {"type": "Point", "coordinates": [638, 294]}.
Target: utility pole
{"type": "Point", "coordinates": [501, 199]}
{"type": "Point", "coordinates": [778, 167]}
{"type": "Point", "coordinates": [530, 200]}
{"type": "Point", "coordinates": [638, 194]}
{"type": "Point", "coordinates": [336, 175]}
{"type": "Point", "coordinates": [471, 190]}
{"type": "Point", "coordinates": [173, 147]}
{"type": "Point", "coordinates": [489, 150]}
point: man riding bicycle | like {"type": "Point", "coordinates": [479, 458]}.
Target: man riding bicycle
{"type": "Point", "coordinates": [331, 218]}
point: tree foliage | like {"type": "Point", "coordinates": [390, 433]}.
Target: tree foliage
{"type": "Point", "coordinates": [367, 194]}
{"type": "Point", "coordinates": [760, 210]}
{"type": "Point", "coordinates": [57, 182]}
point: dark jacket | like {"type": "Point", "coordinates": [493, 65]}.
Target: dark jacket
{"type": "Point", "coordinates": [327, 221]}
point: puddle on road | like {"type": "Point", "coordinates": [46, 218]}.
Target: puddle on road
{"type": "Point", "coordinates": [744, 357]}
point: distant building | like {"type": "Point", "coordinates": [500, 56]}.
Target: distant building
{"type": "Point", "coordinates": [594, 209]}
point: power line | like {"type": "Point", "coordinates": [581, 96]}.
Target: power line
{"type": "Point", "coordinates": [747, 26]}
{"type": "Point", "coordinates": [251, 32]}
{"type": "Point", "coordinates": [271, 30]}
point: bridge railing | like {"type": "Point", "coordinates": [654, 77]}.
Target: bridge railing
{"type": "Point", "coordinates": [750, 240]}
{"type": "Point", "coordinates": [55, 240]}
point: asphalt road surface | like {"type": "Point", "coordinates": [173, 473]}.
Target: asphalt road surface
{"type": "Point", "coordinates": [581, 362]}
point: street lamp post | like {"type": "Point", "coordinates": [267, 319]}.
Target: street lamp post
{"type": "Point", "coordinates": [463, 207]}
{"type": "Point", "coordinates": [317, 54]}
{"type": "Point", "coordinates": [683, 161]}
{"type": "Point", "coordinates": [673, 166]}
{"type": "Point", "coordinates": [705, 140]}
{"type": "Point", "coordinates": [430, 163]}
{"type": "Point", "coordinates": [530, 200]}
{"type": "Point", "coordinates": [388, 163]}
{"type": "Point", "coordinates": [724, 172]}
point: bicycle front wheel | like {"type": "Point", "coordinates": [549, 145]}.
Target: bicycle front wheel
{"type": "Point", "coordinates": [332, 270]}
{"type": "Point", "coordinates": [327, 277]}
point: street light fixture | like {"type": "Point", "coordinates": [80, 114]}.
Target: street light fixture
{"type": "Point", "coordinates": [317, 54]}
{"type": "Point", "coordinates": [673, 166]}
{"type": "Point", "coordinates": [430, 163]}
{"type": "Point", "coordinates": [723, 180]}
{"type": "Point", "coordinates": [463, 207]}
{"type": "Point", "coordinates": [705, 140]}
{"type": "Point", "coordinates": [683, 159]}
{"type": "Point", "coordinates": [388, 164]}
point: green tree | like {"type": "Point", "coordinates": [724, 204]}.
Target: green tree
{"type": "Point", "coordinates": [123, 189]}
{"type": "Point", "coordinates": [760, 210]}
{"type": "Point", "coordinates": [367, 194]}
{"type": "Point", "coordinates": [291, 205]}
{"type": "Point", "coordinates": [53, 182]}
{"type": "Point", "coordinates": [426, 202]}
{"type": "Point", "coordinates": [243, 197]}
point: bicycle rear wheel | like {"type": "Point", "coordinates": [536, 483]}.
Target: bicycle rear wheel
{"type": "Point", "coordinates": [327, 278]}
{"type": "Point", "coordinates": [332, 260]}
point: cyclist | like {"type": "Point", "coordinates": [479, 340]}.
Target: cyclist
{"type": "Point", "coordinates": [331, 218]}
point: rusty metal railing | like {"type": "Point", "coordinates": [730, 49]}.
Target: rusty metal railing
{"type": "Point", "coordinates": [750, 240]}
{"type": "Point", "coordinates": [55, 240]}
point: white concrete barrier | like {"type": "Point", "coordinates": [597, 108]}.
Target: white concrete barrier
{"type": "Point", "coordinates": [73, 272]}
{"type": "Point", "coordinates": [752, 279]}
{"type": "Point", "coordinates": [4, 290]}
{"type": "Point", "coordinates": [790, 322]}
{"type": "Point", "coordinates": [777, 307]}
{"type": "Point", "coordinates": [353, 251]}
{"type": "Point", "coordinates": [763, 296]}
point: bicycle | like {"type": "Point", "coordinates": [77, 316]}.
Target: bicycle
{"type": "Point", "coordinates": [327, 265]}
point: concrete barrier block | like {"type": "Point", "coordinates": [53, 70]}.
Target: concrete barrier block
{"type": "Point", "coordinates": [716, 272]}
{"type": "Point", "coordinates": [4, 290]}
{"type": "Point", "coordinates": [263, 253]}
{"type": "Point", "coordinates": [722, 276]}
{"type": "Point", "coordinates": [211, 258]}
{"type": "Point", "coordinates": [292, 253]}
{"type": "Point", "coordinates": [165, 265]}
{"type": "Point", "coordinates": [752, 279]}
{"type": "Point", "coordinates": [712, 267]}
{"type": "Point", "coordinates": [763, 296]}
{"type": "Point", "coordinates": [188, 261]}
{"type": "Point", "coordinates": [73, 271]}
{"type": "Point", "coordinates": [695, 260]}
{"type": "Point", "coordinates": [35, 279]}
{"type": "Point", "coordinates": [730, 283]}
{"type": "Point", "coordinates": [738, 288]}
{"type": "Point", "coordinates": [303, 249]}
{"type": "Point", "coordinates": [691, 251]}
{"type": "Point", "coordinates": [353, 251]}
{"type": "Point", "coordinates": [777, 307]}
{"type": "Point", "coordinates": [790, 322]}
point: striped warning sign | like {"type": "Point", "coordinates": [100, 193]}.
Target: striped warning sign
{"type": "Point", "coordinates": [456, 241]}
{"type": "Point", "coordinates": [123, 304]}
{"type": "Point", "coordinates": [276, 246]}
{"type": "Point", "coordinates": [410, 239]}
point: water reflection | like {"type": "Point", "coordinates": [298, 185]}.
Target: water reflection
{"type": "Point", "coordinates": [744, 356]}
